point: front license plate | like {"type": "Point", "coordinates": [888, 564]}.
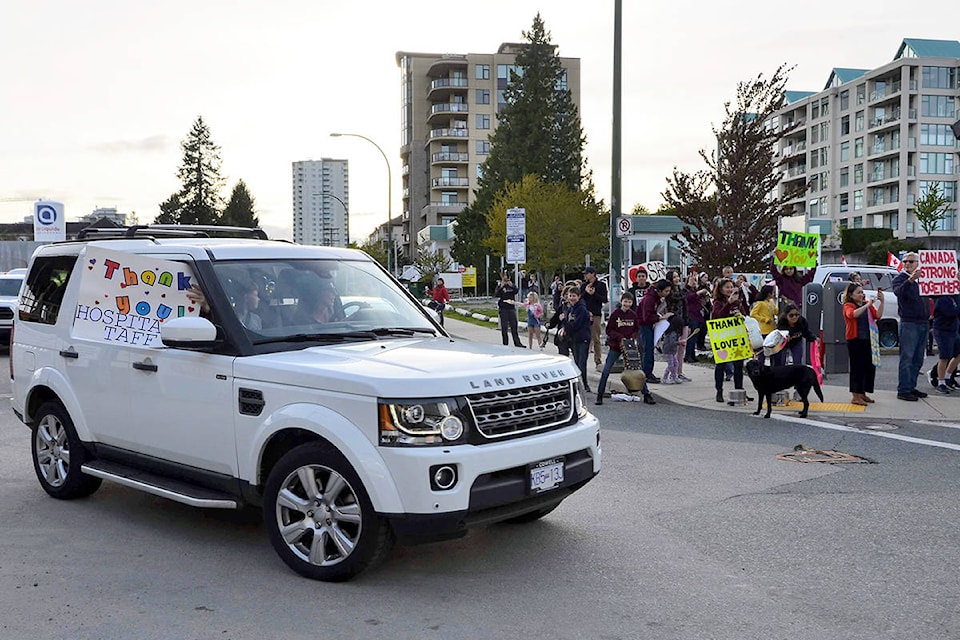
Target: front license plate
{"type": "Point", "coordinates": [546, 475]}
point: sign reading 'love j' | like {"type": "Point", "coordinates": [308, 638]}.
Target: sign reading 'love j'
{"type": "Point", "coordinates": [729, 339]}
{"type": "Point", "coordinates": [796, 249]}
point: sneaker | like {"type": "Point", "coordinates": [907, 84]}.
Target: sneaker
{"type": "Point", "coordinates": [652, 379]}
{"type": "Point", "coordinates": [599, 400]}
{"type": "Point", "coordinates": [670, 381]}
{"type": "Point", "coordinates": [728, 377]}
{"type": "Point", "coordinates": [909, 397]}
{"type": "Point", "coordinates": [952, 384]}
{"type": "Point", "coordinates": [943, 390]}
{"type": "Point", "coordinates": [648, 399]}
{"type": "Point", "coordinates": [599, 367]}
{"type": "Point", "coordinates": [684, 378]}
{"type": "Point", "coordinates": [918, 393]}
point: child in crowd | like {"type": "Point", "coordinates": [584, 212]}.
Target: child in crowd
{"type": "Point", "coordinates": [534, 319]}
{"type": "Point", "coordinates": [622, 325]}
{"type": "Point", "coordinates": [796, 325]}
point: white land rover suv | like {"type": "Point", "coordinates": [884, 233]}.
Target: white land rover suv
{"type": "Point", "coordinates": [300, 379]}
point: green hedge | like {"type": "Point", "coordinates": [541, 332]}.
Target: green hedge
{"type": "Point", "coordinates": [876, 253]}
{"type": "Point", "coordinates": [856, 240]}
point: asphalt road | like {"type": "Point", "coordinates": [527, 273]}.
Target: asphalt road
{"type": "Point", "coordinates": [694, 529]}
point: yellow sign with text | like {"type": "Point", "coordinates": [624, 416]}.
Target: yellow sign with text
{"type": "Point", "coordinates": [729, 339]}
{"type": "Point", "coordinates": [470, 277]}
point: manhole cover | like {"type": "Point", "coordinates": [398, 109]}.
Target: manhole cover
{"type": "Point", "coordinates": [873, 426]}
{"type": "Point", "coordinates": [818, 455]}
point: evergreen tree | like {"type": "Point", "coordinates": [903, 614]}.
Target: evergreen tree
{"type": "Point", "coordinates": [538, 133]}
{"type": "Point", "coordinates": [198, 201]}
{"type": "Point", "coordinates": [239, 211]}
{"type": "Point", "coordinates": [729, 214]}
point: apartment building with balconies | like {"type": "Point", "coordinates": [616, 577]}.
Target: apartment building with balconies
{"type": "Point", "coordinates": [321, 201]}
{"type": "Point", "coordinates": [449, 106]}
{"type": "Point", "coordinates": [873, 141]}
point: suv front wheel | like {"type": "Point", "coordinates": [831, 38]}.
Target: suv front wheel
{"type": "Point", "coordinates": [320, 520]}
{"type": "Point", "coordinates": [58, 455]}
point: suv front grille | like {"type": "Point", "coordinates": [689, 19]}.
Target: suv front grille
{"type": "Point", "coordinates": [508, 412]}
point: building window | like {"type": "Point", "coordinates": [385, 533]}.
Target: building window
{"type": "Point", "coordinates": [814, 134]}
{"type": "Point", "coordinates": [858, 148]}
{"type": "Point", "coordinates": [815, 208]}
{"type": "Point", "coordinates": [844, 202]}
{"type": "Point", "coordinates": [824, 107]}
{"type": "Point", "coordinates": [858, 200]}
{"type": "Point", "coordinates": [482, 71]}
{"type": "Point", "coordinates": [483, 147]}
{"type": "Point", "coordinates": [858, 222]}
{"type": "Point", "coordinates": [479, 170]}
{"type": "Point", "coordinates": [483, 96]}
{"type": "Point", "coordinates": [483, 121]}
{"type": "Point", "coordinates": [844, 152]}
{"type": "Point", "coordinates": [861, 93]}
{"type": "Point", "coordinates": [937, 106]}
{"type": "Point", "coordinates": [844, 177]}
{"type": "Point", "coordinates": [814, 110]}
{"type": "Point", "coordinates": [936, 135]}
{"type": "Point", "coordinates": [448, 197]}
{"type": "Point", "coordinates": [947, 189]}
{"type": "Point", "coordinates": [845, 125]}
{"type": "Point", "coordinates": [936, 163]}
{"type": "Point", "coordinates": [939, 78]}
{"type": "Point", "coordinates": [858, 123]}
{"type": "Point", "coordinates": [844, 100]}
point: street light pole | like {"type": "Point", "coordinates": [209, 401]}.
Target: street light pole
{"type": "Point", "coordinates": [389, 227]}
{"type": "Point", "coordinates": [346, 213]}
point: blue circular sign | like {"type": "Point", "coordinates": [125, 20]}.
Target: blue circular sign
{"type": "Point", "coordinates": [46, 215]}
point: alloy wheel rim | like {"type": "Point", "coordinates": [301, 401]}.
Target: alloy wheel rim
{"type": "Point", "coordinates": [53, 451]}
{"type": "Point", "coordinates": [318, 515]}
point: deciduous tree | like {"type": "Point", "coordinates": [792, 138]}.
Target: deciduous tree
{"type": "Point", "coordinates": [731, 209]}
{"type": "Point", "coordinates": [931, 207]}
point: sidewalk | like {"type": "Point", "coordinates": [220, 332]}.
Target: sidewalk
{"type": "Point", "coordinates": [701, 392]}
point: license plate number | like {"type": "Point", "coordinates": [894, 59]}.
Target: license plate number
{"type": "Point", "coordinates": [546, 475]}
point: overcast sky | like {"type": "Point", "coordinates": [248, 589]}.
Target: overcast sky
{"type": "Point", "coordinates": [96, 96]}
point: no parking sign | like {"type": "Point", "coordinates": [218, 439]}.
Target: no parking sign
{"type": "Point", "coordinates": [48, 222]}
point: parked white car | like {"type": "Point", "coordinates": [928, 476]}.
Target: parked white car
{"type": "Point", "coordinates": [873, 277]}
{"type": "Point", "coordinates": [9, 295]}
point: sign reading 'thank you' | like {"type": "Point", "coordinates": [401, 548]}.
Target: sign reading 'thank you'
{"type": "Point", "coordinates": [796, 249]}
{"type": "Point", "coordinates": [125, 298]}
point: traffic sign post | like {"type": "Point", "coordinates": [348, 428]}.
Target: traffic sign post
{"type": "Point", "coordinates": [517, 236]}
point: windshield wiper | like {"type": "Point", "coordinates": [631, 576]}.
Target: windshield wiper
{"type": "Point", "coordinates": [322, 337]}
{"type": "Point", "coordinates": [401, 331]}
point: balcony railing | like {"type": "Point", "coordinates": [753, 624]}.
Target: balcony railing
{"type": "Point", "coordinates": [449, 107]}
{"type": "Point", "coordinates": [439, 83]}
{"type": "Point", "coordinates": [449, 133]}
{"type": "Point", "coordinates": [890, 89]}
{"type": "Point", "coordinates": [450, 157]}
{"type": "Point", "coordinates": [797, 171]}
{"type": "Point", "coordinates": [450, 182]}
{"type": "Point", "coordinates": [459, 206]}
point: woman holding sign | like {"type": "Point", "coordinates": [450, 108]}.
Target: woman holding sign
{"type": "Point", "coordinates": [728, 303]}
{"type": "Point", "coordinates": [860, 318]}
{"type": "Point", "coordinates": [791, 283]}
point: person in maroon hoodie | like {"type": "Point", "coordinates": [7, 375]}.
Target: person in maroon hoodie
{"type": "Point", "coordinates": [728, 302]}
{"type": "Point", "coordinates": [623, 324]}
{"type": "Point", "coordinates": [649, 316]}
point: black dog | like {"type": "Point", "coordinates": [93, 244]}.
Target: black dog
{"type": "Point", "coordinates": [768, 380]}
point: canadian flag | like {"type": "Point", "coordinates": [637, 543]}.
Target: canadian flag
{"type": "Point", "coordinates": [894, 261]}
{"type": "Point", "coordinates": [843, 260]}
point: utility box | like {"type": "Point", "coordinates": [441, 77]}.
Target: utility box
{"type": "Point", "coordinates": [836, 357]}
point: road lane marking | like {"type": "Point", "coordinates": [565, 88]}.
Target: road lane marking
{"type": "Point", "coordinates": [878, 434]}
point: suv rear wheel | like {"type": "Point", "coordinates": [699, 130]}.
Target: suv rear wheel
{"type": "Point", "coordinates": [320, 520]}
{"type": "Point", "coordinates": [58, 455]}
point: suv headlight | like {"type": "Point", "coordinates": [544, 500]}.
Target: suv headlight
{"type": "Point", "coordinates": [578, 404]}
{"type": "Point", "coordinates": [434, 421]}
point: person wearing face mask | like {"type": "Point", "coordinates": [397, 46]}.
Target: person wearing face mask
{"type": "Point", "coordinates": [914, 311]}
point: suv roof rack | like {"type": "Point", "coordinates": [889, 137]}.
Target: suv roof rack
{"type": "Point", "coordinates": [172, 231]}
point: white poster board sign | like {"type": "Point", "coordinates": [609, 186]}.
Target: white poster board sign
{"type": "Point", "coordinates": [938, 273]}
{"type": "Point", "coordinates": [125, 298]}
{"type": "Point", "coordinates": [656, 270]}
{"type": "Point", "coordinates": [517, 235]}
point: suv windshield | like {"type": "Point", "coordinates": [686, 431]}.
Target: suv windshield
{"type": "Point", "coordinates": [10, 287]}
{"type": "Point", "coordinates": [302, 299]}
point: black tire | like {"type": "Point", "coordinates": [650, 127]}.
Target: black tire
{"type": "Point", "coordinates": [58, 455]}
{"type": "Point", "coordinates": [331, 531]}
{"type": "Point", "coordinates": [533, 516]}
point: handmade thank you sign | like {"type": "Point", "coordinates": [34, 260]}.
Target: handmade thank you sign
{"type": "Point", "coordinates": [729, 339]}
{"type": "Point", "coordinates": [125, 298]}
{"type": "Point", "coordinates": [796, 249]}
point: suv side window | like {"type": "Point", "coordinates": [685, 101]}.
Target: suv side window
{"type": "Point", "coordinates": [46, 284]}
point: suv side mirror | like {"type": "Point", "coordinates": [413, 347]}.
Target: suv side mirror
{"type": "Point", "coordinates": [188, 333]}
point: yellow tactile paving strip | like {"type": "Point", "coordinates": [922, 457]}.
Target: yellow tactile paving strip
{"type": "Point", "coordinates": [822, 406]}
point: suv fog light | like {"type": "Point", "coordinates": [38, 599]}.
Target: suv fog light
{"type": "Point", "coordinates": [451, 428]}
{"type": "Point", "coordinates": [443, 477]}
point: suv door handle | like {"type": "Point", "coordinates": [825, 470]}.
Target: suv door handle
{"type": "Point", "coordinates": [69, 354]}
{"type": "Point", "coordinates": [144, 366]}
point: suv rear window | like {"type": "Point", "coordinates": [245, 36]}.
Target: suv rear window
{"type": "Point", "coordinates": [46, 284]}
{"type": "Point", "coordinates": [10, 287]}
